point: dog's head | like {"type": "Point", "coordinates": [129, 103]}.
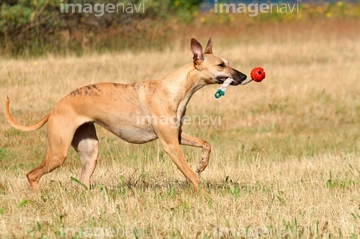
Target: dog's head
{"type": "Point", "coordinates": [214, 69]}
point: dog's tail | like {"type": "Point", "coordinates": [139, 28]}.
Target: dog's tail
{"type": "Point", "coordinates": [19, 126]}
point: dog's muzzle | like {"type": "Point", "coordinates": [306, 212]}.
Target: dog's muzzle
{"type": "Point", "coordinates": [239, 78]}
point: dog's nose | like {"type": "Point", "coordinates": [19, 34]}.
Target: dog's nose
{"type": "Point", "coordinates": [243, 77]}
{"type": "Point", "coordinates": [239, 77]}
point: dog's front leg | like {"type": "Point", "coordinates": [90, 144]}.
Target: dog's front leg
{"type": "Point", "coordinates": [169, 138]}
{"type": "Point", "coordinates": [186, 139]}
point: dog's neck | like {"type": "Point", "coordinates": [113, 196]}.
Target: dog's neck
{"type": "Point", "coordinates": [182, 84]}
{"type": "Point", "coordinates": [184, 81]}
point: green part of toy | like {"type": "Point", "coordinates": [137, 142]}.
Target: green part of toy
{"type": "Point", "coordinates": [219, 93]}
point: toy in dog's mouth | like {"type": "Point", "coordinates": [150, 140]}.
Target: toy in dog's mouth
{"type": "Point", "coordinates": [221, 91]}
{"type": "Point", "coordinates": [222, 79]}
{"type": "Point", "coordinates": [246, 81]}
{"type": "Point", "coordinates": [257, 74]}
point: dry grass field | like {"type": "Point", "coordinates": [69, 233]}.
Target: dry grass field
{"type": "Point", "coordinates": [285, 152]}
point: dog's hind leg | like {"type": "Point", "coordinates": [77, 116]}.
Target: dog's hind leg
{"type": "Point", "coordinates": [59, 140]}
{"type": "Point", "coordinates": [186, 139]}
{"type": "Point", "coordinates": [85, 143]}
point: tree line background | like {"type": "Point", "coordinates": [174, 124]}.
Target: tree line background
{"type": "Point", "coordinates": [35, 27]}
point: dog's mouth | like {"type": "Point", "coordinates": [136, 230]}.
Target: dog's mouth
{"type": "Point", "coordinates": [221, 79]}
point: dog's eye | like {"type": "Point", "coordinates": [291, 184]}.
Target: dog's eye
{"type": "Point", "coordinates": [222, 64]}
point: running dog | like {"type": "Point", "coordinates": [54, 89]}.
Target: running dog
{"type": "Point", "coordinates": [117, 107]}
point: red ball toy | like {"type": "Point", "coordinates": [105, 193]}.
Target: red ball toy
{"type": "Point", "coordinates": [257, 74]}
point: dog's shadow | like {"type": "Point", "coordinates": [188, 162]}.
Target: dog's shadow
{"type": "Point", "coordinates": [168, 186]}
{"type": "Point", "coordinates": [143, 185]}
{"type": "Point", "coordinates": [133, 185]}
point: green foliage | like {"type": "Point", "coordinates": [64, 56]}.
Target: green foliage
{"type": "Point", "coordinates": [333, 183]}
{"type": "Point", "coordinates": [185, 10]}
{"type": "Point", "coordinates": [23, 203]}
{"type": "Point", "coordinates": [78, 181]}
{"type": "Point", "coordinates": [3, 153]}
{"type": "Point", "coordinates": [285, 12]}
{"type": "Point", "coordinates": [35, 27]}
{"type": "Point", "coordinates": [27, 24]}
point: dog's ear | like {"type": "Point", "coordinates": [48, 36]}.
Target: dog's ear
{"type": "Point", "coordinates": [208, 49]}
{"type": "Point", "coordinates": [197, 50]}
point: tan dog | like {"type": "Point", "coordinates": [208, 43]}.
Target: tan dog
{"type": "Point", "coordinates": [118, 108]}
